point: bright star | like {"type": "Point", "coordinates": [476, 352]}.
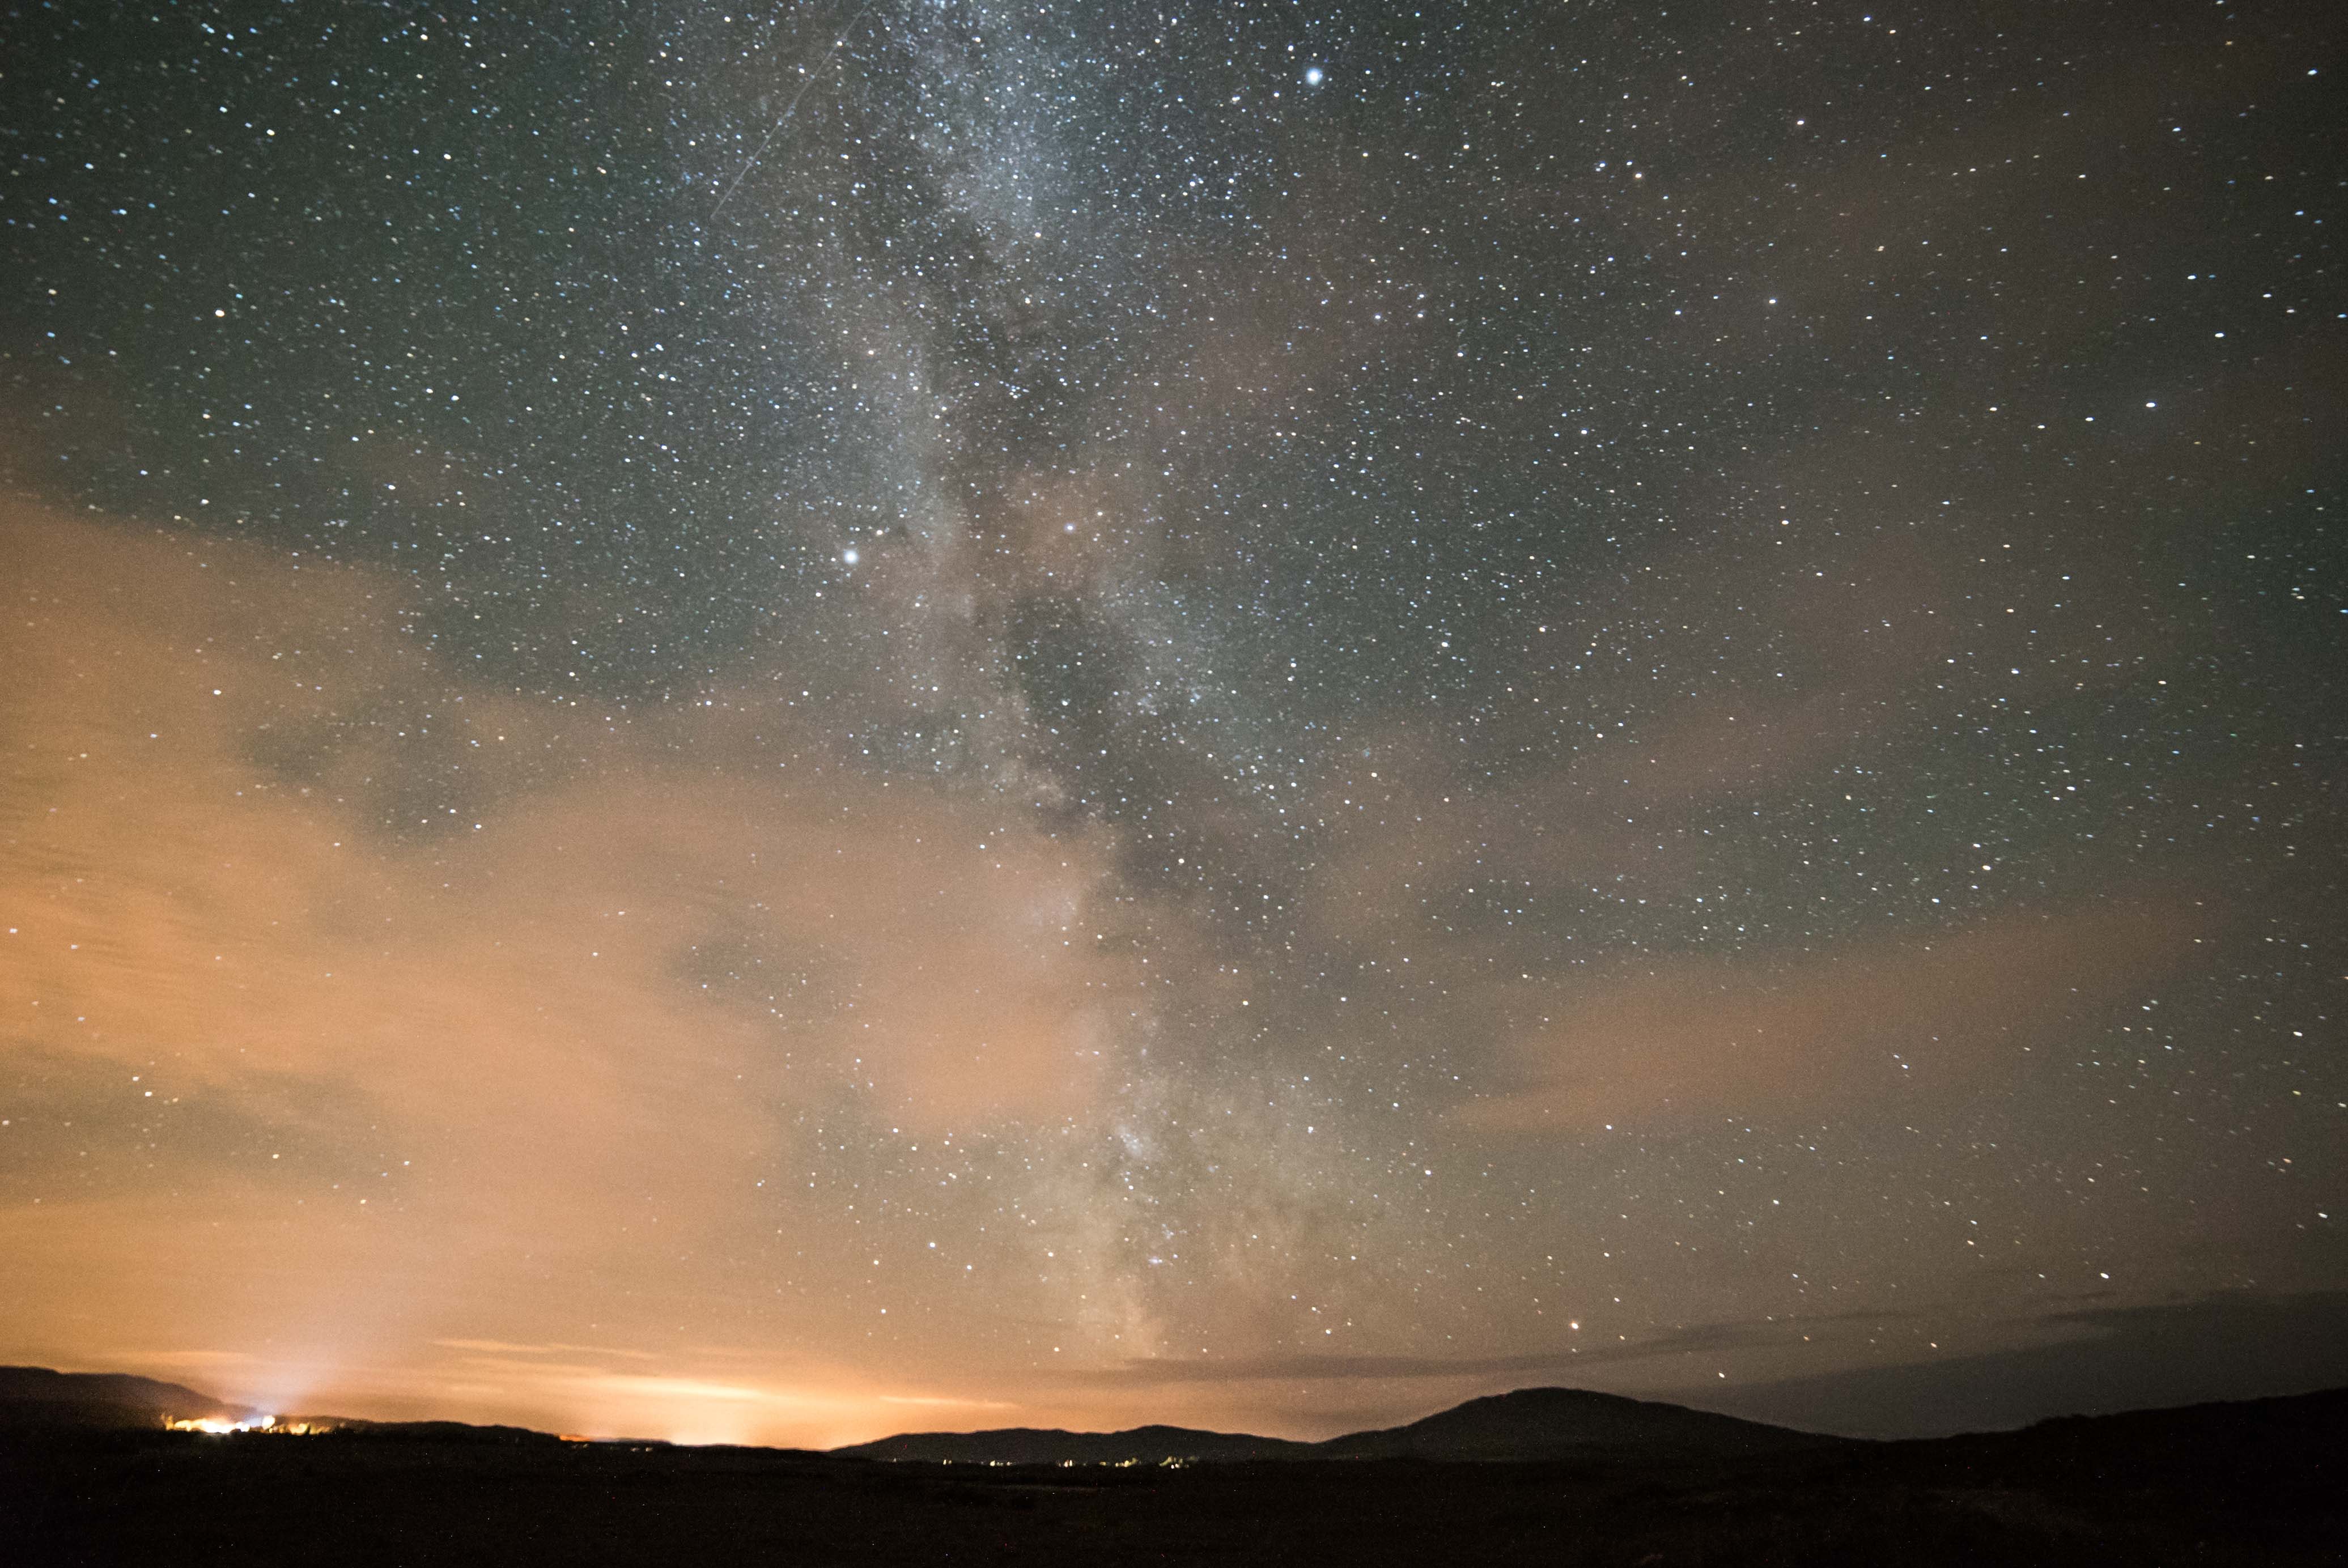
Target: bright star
{"type": "Point", "coordinates": [1311, 75]}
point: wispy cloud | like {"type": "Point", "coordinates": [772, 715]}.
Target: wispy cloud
{"type": "Point", "coordinates": [1700, 1338]}
{"type": "Point", "coordinates": [506, 1347]}
{"type": "Point", "coordinates": [188, 1360]}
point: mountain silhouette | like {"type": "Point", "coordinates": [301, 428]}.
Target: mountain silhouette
{"type": "Point", "coordinates": [34, 1396]}
{"type": "Point", "coordinates": [1565, 1423]}
{"type": "Point", "coordinates": [1530, 1424]}
{"type": "Point", "coordinates": [1038, 1446]}
{"type": "Point", "coordinates": [1610, 1482]}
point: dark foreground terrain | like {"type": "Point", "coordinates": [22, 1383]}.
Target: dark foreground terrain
{"type": "Point", "coordinates": [2252, 1483]}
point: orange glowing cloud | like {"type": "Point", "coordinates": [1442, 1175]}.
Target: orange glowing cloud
{"type": "Point", "coordinates": [356, 994]}
{"type": "Point", "coordinates": [1883, 1023]}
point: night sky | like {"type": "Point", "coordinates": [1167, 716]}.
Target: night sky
{"type": "Point", "coordinates": [784, 723]}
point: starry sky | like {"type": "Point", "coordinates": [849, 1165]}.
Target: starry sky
{"type": "Point", "coordinates": [783, 722]}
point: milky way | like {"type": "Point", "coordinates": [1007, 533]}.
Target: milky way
{"type": "Point", "coordinates": [789, 722]}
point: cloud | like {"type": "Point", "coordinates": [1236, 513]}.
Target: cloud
{"type": "Point", "coordinates": [1563, 1360]}
{"type": "Point", "coordinates": [212, 863]}
{"type": "Point", "coordinates": [182, 1360]}
{"type": "Point", "coordinates": [2225, 1344]}
{"type": "Point", "coordinates": [346, 991]}
{"type": "Point", "coordinates": [505, 1347]}
{"type": "Point", "coordinates": [1884, 1023]}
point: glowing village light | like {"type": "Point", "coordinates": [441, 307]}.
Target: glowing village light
{"type": "Point", "coordinates": [218, 1426]}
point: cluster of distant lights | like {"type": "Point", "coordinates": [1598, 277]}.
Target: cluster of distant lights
{"type": "Point", "coordinates": [1171, 1461]}
{"type": "Point", "coordinates": [218, 1427]}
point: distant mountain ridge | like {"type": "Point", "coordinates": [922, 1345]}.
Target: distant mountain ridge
{"type": "Point", "coordinates": [1565, 1423]}
{"type": "Point", "coordinates": [34, 1396]}
{"type": "Point", "coordinates": [37, 1396]}
{"type": "Point", "coordinates": [1528, 1424]}
{"type": "Point", "coordinates": [1051, 1446]}
{"type": "Point", "coordinates": [425, 1431]}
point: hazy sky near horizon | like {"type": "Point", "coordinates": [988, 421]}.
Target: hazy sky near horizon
{"type": "Point", "coordinates": [783, 722]}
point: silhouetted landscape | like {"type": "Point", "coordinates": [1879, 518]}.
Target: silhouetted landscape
{"type": "Point", "coordinates": [1528, 1425]}
{"type": "Point", "coordinates": [89, 1474]}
